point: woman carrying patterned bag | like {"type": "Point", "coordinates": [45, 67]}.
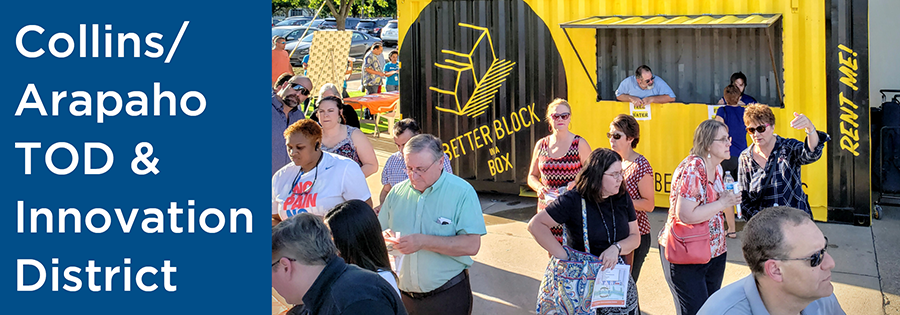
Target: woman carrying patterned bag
{"type": "Point", "coordinates": [600, 216]}
{"type": "Point", "coordinates": [557, 158]}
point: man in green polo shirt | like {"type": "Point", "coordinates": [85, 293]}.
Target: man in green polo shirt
{"type": "Point", "coordinates": [438, 217]}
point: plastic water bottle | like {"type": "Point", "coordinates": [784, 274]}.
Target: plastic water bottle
{"type": "Point", "coordinates": [731, 185]}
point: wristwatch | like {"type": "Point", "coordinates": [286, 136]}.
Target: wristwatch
{"type": "Point", "coordinates": [619, 247]}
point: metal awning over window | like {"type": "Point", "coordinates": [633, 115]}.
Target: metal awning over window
{"type": "Point", "coordinates": [724, 42]}
{"type": "Point", "coordinates": [676, 21]}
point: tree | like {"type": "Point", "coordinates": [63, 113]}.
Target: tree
{"type": "Point", "coordinates": [285, 6]}
{"type": "Point", "coordinates": [340, 9]}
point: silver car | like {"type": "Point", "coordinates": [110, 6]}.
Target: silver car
{"type": "Point", "coordinates": [291, 33]}
{"type": "Point", "coordinates": [389, 33]}
{"type": "Point", "coordinates": [359, 43]}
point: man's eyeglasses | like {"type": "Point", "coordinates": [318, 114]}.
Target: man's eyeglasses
{"type": "Point", "coordinates": [760, 129]}
{"type": "Point", "coordinates": [615, 136]}
{"type": "Point", "coordinates": [562, 116]}
{"type": "Point", "coordinates": [648, 81]}
{"type": "Point", "coordinates": [279, 260]}
{"type": "Point", "coordinates": [300, 88]}
{"type": "Point", "coordinates": [815, 260]}
{"type": "Point", "coordinates": [282, 42]}
{"type": "Point", "coordinates": [419, 170]}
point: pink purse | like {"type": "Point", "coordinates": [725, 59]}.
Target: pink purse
{"type": "Point", "coordinates": [689, 243]}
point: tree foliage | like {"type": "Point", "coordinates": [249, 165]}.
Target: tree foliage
{"type": "Point", "coordinates": [282, 7]}
{"type": "Point", "coordinates": [341, 9]}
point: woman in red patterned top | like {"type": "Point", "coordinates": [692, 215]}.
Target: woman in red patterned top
{"type": "Point", "coordinates": [624, 135]}
{"type": "Point", "coordinates": [698, 198]}
{"type": "Point", "coordinates": [557, 158]}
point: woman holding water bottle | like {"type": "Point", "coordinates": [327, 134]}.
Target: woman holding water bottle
{"type": "Point", "coordinates": [769, 170]}
{"type": "Point", "coordinates": [698, 199]}
{"type": "Point", "coordinates": [557, 158]}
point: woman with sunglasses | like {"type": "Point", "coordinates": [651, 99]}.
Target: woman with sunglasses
{"type": "Point", "coordinates": [769, 170]}
{"type": "Point", "coordinates": [624, 135]}
{"type": "Point", "coordinates": [599, 202]}
{"type": "Point", "coordinates": [314, 181]}
{"type": "Point", "coordinates": [557, 158]}
{"type": "Point", "coordinates": [343, 140]}
{"type": "Point", "coordinates": [698, 198]}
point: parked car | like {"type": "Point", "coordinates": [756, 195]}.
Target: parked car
{"type": "Point", "coordinates": [359, 43]}
{"type": "Point", "coordinates": [379, 24]}
{"type": "Point", "coordinates": [277, 19]}
{"type": "Point", "coordinates": [315, 23]}
{"type": "Point", "coordinates": [291, 33]}
{"type": "Point", "coordinates": [368, 27]}
{"type": "Point", "coordinates": [294, 20]}
{"type": "Point", "coordinates": [389, 33]}
{"type": "Point", "coordinates": [331, 23]}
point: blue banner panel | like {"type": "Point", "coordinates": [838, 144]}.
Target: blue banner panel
{"type": "Point", "coordinates": [136, 170]}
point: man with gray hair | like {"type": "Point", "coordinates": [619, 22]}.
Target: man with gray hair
{"type": "Point", "coordinates": [438, 219]}
{"type": "Point", "coordinates": [307, 272]}
{"type": "Point", "coordinates": [790, 270]}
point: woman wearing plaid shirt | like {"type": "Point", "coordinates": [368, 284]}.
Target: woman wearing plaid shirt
{"type": "Point", "coordinates": [769, 170]}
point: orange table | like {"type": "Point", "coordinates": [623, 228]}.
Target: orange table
{"type": "Point", "coordinates": [373, 102]}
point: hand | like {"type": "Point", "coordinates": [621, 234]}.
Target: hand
{"type": "Point", "coordinates": [543, 191]}
{"type": "Point", "coordinates": [730, 199]}
{"type": "Point", "coordinates": [802, 122]}
{"type": "Point", "coordinates": [609, 257]}
{"type": "Point", "coordinates": [637, 101]}
{"type": "Point", "coordinates": [409, 244]}
{"type": "Point", "coordinates": [571, 186]}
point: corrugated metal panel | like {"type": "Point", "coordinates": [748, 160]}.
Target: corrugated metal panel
{"type": "Point", "coordinates": [668, 135]}
{"type": "Point", "coordinates": [696, 63]}
{"type": "Point", "coordinates": [455, 56]}
{"type": "Point", "coordinates": [676, 21]}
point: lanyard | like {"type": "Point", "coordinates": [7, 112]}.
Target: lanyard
{"type": "Point", "coordinates": [612, 212]}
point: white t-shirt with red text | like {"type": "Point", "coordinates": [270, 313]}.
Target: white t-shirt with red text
{"type": "Point", "coordinates": [339, 179]}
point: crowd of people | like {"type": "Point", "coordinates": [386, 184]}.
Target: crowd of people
{"type": "Point", "coordinates": [334, 253]}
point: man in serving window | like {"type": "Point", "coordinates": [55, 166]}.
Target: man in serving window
{"type": "Point", "coordinates": [644, 88]}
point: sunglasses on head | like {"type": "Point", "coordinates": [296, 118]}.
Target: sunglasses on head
{"type": "Point", "coordinates": [760, 129]}
{"type": "Point", "coordinates": [816, 259]}
{"type": "Point", "coordinates": [300, 88]}
{"type": "Point", "coordinates": [615, 136]}
{"type": "Point", "coordinates": [562, 116]}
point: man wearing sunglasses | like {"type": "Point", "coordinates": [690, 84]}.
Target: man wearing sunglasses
{"type": "Point", "coordinates": [285, 102]}
{"type": "Point", "coordinates": [644, 88]}
{"type": "Point", "coordinates": [790, 269]}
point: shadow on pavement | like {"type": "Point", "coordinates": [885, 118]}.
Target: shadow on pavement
{"type": "Point", "coordinates": [507, 291]}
